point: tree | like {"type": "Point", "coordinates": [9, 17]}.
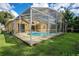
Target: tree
{"type": "Point", "coordinates": [69, 19]}
{"type": "Point", "coordinates": [76, 25]}
{"type": "Point", "coordinates": [5, 16]}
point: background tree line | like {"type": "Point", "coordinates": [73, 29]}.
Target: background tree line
{"type": "Point", "coordinates": [71, 21]}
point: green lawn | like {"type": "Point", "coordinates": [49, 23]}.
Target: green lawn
{"type": "Point", "coordinates": [64, 45]}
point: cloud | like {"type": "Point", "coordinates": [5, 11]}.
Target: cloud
{"type": "Point", "coordinates": [8, 7]}
{"type": "Point", "coordinates": [75, 11]}
{"type": "Point", "coordinates": [5, 6]}
{"type": "Point", "coordinates": [61, 6]}
{"type": "Point", "coordinates": [40, 5]}
{"type": "Point", "coordinates": [14, 13]}
{"type": "Point", "coordinates": [75, 5]}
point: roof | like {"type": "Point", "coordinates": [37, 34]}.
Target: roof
{"type": "Point", "coordinates": [10, 20]}
{"type": "Point", "coordinates": [14, 20]}
{"type": "Point", "coordinates": [44, 10]}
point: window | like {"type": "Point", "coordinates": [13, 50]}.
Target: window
{"type": "Point", "coordinates": [21, 27]}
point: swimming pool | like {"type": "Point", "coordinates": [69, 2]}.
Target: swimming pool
{"type": "Point", "coordinates": [40, 33]}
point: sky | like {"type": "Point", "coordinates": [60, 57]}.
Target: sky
{"type": "Point", "coordinates": [18, 8]}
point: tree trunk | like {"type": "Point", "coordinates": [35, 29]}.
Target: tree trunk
{"type": "Point", "coordinates": [66, 27]}
{"type": "Point", "coordinates": [72, 29]}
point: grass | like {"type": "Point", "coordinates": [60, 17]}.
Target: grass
{"type": "Point", "coordinates": [64, 45]}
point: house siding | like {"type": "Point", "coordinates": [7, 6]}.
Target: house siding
{"type": "Point", "coordinates": [21, 22]}
{"type": "Point", "coordinates": [13, 26]}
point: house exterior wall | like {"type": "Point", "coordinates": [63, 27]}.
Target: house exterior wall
{"type": "Point", "coordinates": [9, 27]}
{"type": "Point", "coordinates": [13, 26]}
{"type": "Point", "coordinates": [42, 27]}
{"type": "Point", "coordinates": [21, 22]}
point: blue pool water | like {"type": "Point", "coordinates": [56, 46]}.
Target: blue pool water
{"type": "Point", "coordinates": [40, 34]}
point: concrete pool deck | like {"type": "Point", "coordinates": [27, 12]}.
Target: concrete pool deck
{"type": "Point", "coordinates": [34, 39]}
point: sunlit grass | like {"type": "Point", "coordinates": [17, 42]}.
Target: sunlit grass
{"type": "Point", "coordinates": [67, 44]}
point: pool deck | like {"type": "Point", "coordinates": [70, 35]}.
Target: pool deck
{"type": "Point", "coordinates": [34, 39]}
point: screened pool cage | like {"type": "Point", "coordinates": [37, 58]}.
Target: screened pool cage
{"type": "Point", "coordinates": [37, 23]}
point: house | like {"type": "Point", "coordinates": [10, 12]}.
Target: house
{"type": "Point", "coordinates": [22, 25]}
{"type": "Point", "coordinates": [35, 24]}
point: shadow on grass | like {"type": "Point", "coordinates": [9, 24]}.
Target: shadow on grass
{"type": "Point", "coordinates": [9, 38]}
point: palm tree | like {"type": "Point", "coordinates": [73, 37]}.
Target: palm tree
{"type": "Point", "coordinates": [76, 25]}
{"type": "Point", "coordinates": [68, 19]}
